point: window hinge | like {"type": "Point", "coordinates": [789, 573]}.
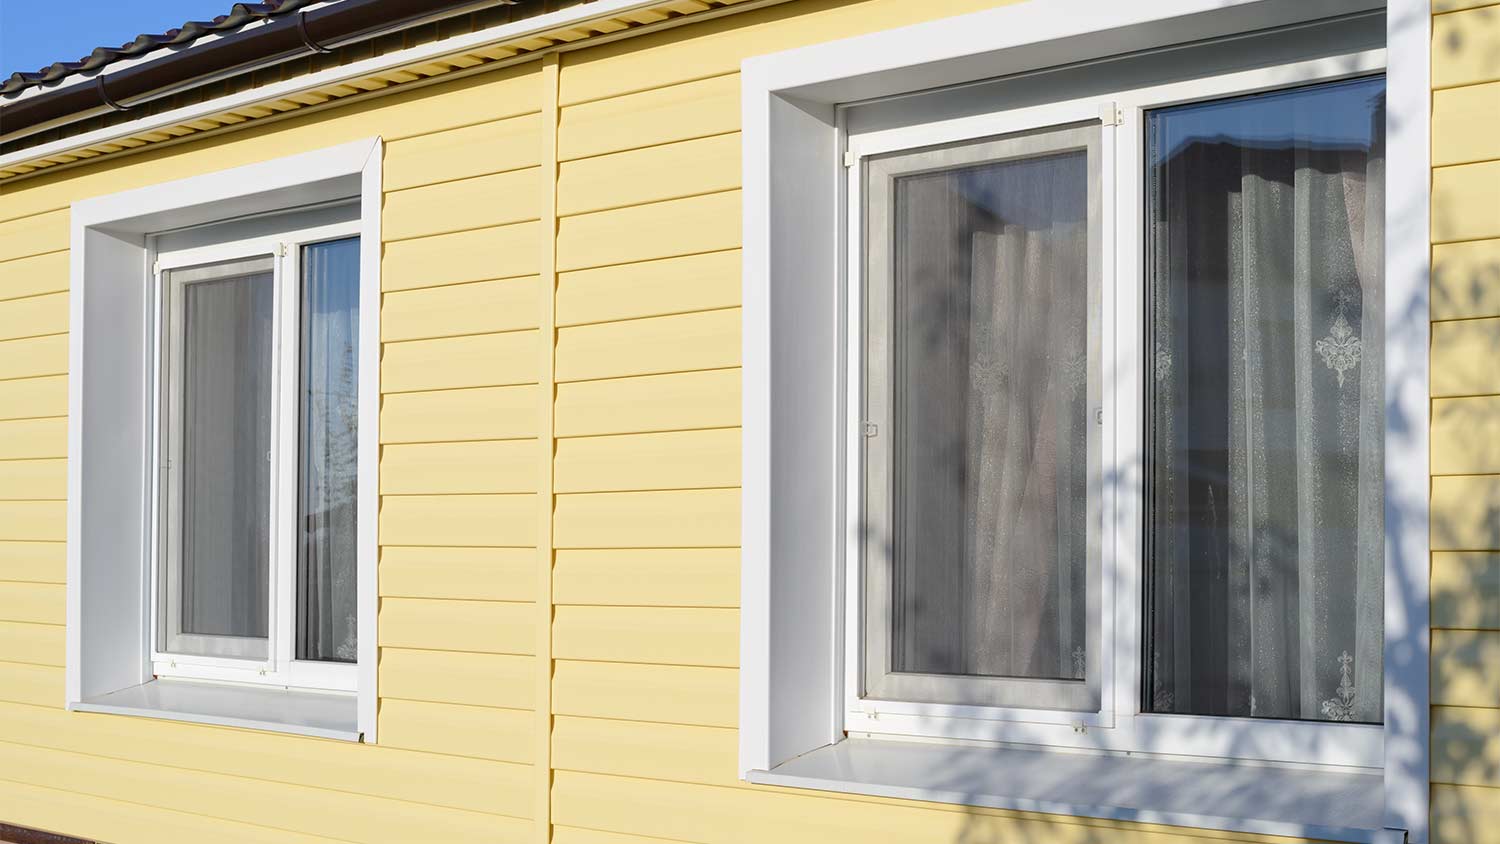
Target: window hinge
{"type": "Point", "coordinates": [870, 429]}
{"type": "Point", "coordinates": [1080, 728]}
{"type": "Point", "coordinates": [848, 158]}
{"type": "Point", "coordinates": [1110, 114]}
{"type": "Point", "coordinates": [156, 267]}
{"type": "Point", "coordinates": [1099, 415]}
{"type": "Point", "coordinates": [281, 250]}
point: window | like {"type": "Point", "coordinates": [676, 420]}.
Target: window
{"type": "Point", "coordinates": [1265, 575]}
{"type": "Point", "coordinates": [222, 452]}
{"type": "Point", "coordinates": [258, 483]}
{"type": "Point", "coordinates": [983, 270]}
{"type": "Point", "coordinates": [1116, 457]}
{"type": "Point", "coordinates": [864, 616]}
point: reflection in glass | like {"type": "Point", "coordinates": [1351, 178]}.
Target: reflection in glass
{"type": "Point", "coordinates": [1264, 594]}
{"type": "Point", "coordinates": [990, 377]}
{"type": "Point", "coordinates": [328, 453]}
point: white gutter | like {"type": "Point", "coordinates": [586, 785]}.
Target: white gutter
{"type": "Point", "coordinates": [495, 36]}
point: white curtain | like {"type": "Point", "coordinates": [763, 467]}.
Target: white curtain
{"type": "Point", "coordinates": [326, 577]}
{"type": "Point", "coordinates": [1266, 558]}
{"type": "Point", "coordinates": [991, 405]}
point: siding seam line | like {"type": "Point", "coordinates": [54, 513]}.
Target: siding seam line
{"type": "Point", "coordinates": [546, 433]}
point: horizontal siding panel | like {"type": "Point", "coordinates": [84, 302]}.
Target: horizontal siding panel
{"type": "Point", "coordinates": [492, 147]}
{"type": "Point", "coordinates": [38, 685]}
{"type": "Point", "coordinates": [33, 235]}
{"type": "Point", "coordinates": [374, 770]}
{"type": "Point", "coordinates": [27, 398]}
{"type": "Point", "coordinates": [34, 479]}
{"type": "Point", "coordinates": [473, 626]}
{"type": "Point", "coordinates": [495, 200]}
{"type": "Point", "coordinates": [706, 518]}
{"type": "Point", "coordinates": [1463, 668]}
{"type": "Point", "coordinates": [1466, 746]}
{"type": "Point", "coordinates": [678, 752]}
{"type": "Point", "coordinates": [1465, 815]}
{"type": "Point", "coordinates": [1466, 590]}
{"type": "Point", "coordinates": [34, 275]}
{"type": "Point", "coordinates": [473, 308]}
{"type": "Point", "coordinates": [479, 255]}
{"type": "Point", "coordinates": [476, 574]}
{"type": "Point", "coordinates": [484, 360]}
{"type": "Point", "coordinates": [656, 116]}
{"type": "Point", "coordinates": [35, 521]}
{"type": "Point", "coordinates": [680, 577]}
{"type": "Point", "coordinates": [650, 288]}
{"type": "Point", "coordinates": [40, 562]}
{"type": "Point", "coordinates": [692, 812]}
{"type": "Point", "coordinates": [489, 413]}
{"type": "Point", "coordinates": [643, 232]}
{"type": "Point", "coordinates": [40, 603]}
{"type": "Point", "coordinates": [578, 835]}
{"type": "Point", "coordinates": [459, 520]}
{"type": "Point", "coordinates": [34, 316]}
{"type": "Point", "coordinates": [91, 817]}
{"type": "Point", "coordinates": [33, 356]}
{"type": "Point", "coordinates": [1466, 435]}
{"type": "Point", "coordinates": [675, 460]}
{"type": "Point", "coordinates": [354, 817]}
{"type": "Point", "coordinates": [25, 439]}
{"type": "Point", "coordinates": [1463, 355]}
{"type": "Point", "coordinates": [36, 644]}
{"type": "Point", "coordinates": [465, 467]}
{"type": "Point", "coordinates": [1466, 279]}
{"type": "Point", "coordinates": [1466, 124]}
{"type": "Point", "coordinates": [658, 693]}
{"type": "Point", "coordinates": [1465, 513]}
{"type": "Point", "coordinates": [1472, 44]}
{"type": "Point", "coordinates": [655, 635]}
{"type": "Point", "coordinates": [479, 731]}
{"type": "Point", "coordinates": [1463, 197]}
{"type": "Point", "coordinates": [650, 174]}
{"type": "Point", "coordinates": [669, 402]}
{"type": "Point", "coordinates": [453, 677]}
{"type": "Point", "coordinates": [707, 340]}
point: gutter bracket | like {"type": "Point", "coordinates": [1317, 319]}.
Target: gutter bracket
{"type": "Point", "coordinates": [104, 95]}
{"type": "Point", "coordinates": [308, 39]}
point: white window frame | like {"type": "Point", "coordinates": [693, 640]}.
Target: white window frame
{"type": "Point", "coordinates": [1119, 725]}
{"type": "Point", "coordinates": [793, 626]}
{"type": "Point", "coordinates": [280, 667]}
{"type": "Point", "coordinates": [112, 659]}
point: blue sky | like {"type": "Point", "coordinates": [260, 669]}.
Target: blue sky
{"type": "Point", "coordinates": [36, 33]}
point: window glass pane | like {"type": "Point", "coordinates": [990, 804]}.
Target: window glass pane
{"type": "Point", "coordinates": [225, 442]}
{"type": "Point", "coordinates": [990, 389]}
{"type": "Point", "coordinates": [1264, 594]}
{"type": "Point", "coordinates": [328, 450]}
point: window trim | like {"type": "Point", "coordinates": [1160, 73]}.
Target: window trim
{"type": "Point", "coordinates": [792, 139]}
{"type": "Point", "coordinates": [279, 666]}
{"type": "Point", "coordinates": [110, 630]}
{"type": "Point", "coordinates": [1123, 727]}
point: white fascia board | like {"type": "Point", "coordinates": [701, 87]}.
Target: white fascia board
{"type": "Point", "coordinates": [493, 36]}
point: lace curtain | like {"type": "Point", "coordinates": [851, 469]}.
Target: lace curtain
{"type": "Point", "coordinates": [1264, 583]}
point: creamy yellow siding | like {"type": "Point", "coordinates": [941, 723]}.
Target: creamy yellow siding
{"type": "Point", "coordinates": [559, 519]}
{"type": "Point", "coordinates": [1466, 423]}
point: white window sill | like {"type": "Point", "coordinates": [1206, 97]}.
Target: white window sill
{"type": "Point", "coordinates": [322, 714]}
{"type": "Point", "coordinates": [1332, 806]}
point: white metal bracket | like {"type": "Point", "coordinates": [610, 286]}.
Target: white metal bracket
{"type": "Point", "coordinates": [1110, 114]}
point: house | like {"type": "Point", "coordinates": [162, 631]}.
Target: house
{"type": "Point", "coordinates": [730, 421]}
